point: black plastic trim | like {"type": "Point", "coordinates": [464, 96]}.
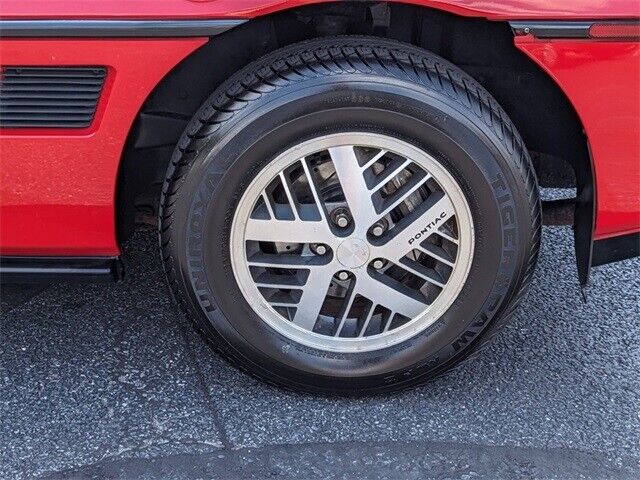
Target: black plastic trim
{"type": "Point", "coordinates": [584, 221]}
{"type": "Point", "coordinates": [52, 269]}
{"type": "Point", "coordinates": [49, 97]}
{"type": "Point", "coordinates": [551, 29]}
{"type": "Point", "coordinates": [115, 28]}
{"type": "Point", "coordinates": [614, 249]}
{"type": "Point", "coordinates": [564, 29]}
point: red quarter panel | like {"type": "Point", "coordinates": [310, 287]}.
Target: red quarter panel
{"type": "Point", "coordinates": [602, 81]}
{"type": "Point", "coordinates": [57, 187]}
{"type": "Point", "coordinates": [492, 9]}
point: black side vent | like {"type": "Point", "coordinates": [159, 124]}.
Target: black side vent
{"type": "Point", "coordinates": [61, 97]}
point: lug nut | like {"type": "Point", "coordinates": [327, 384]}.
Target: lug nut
{"type": "Point", "coordinates": [341, 217]}
{"type": "Point", "coordinates": [319, 249]}
{"type": "Point", "coordinates": [378, 263]}
{"type": "Point", "coordinates": [343, 275]}
{"type": "Point", "coordinates": [379, 228]}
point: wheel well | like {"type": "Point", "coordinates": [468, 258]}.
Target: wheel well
{"type": "Point", "coordinates": [484, 49]}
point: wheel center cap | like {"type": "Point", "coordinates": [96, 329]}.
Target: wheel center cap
{"type": "Point", "coordinates": [353, 253]}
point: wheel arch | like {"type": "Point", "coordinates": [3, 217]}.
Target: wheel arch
{"type": "Point", "coordinates": [485, 49]}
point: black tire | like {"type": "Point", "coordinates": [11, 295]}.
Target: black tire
{"type": "Point", "coordinates": [333, 85]}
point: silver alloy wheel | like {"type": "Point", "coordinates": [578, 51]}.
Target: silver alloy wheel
{"type": "Point", "coordinates": [352, 242]}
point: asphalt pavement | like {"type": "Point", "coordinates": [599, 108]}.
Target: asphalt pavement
{"type": "Point", "coordinates": [110, 381]}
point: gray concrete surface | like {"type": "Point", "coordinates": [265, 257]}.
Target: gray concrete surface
{"type": "Point", "coordinates": [109, 381]}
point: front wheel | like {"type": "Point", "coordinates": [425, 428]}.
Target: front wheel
{"type": "Point", "coordinates": [349, 215]}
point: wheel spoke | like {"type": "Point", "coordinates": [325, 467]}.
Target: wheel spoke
{"type": "Point", "coordinates": [427, 274]}
{"type": "Point", "coordinates": [274, 260]}
{"type": "Point", "coordinates": [314, 190]}
{"type": "Point", "coordinates": [387, 176]}
{"type": "Point", "coordinates": [402, 194]}
{"type": "Point", "coordinates": [367, 320]}
{"type": "Point", "coordinates": [313, 295]}
{"type": "Point", "coordinates": [436, 252]}
{"type": "Point", "coordinates": [374, 159]}
{"type": "Point", "coordinates": [438, 209]}
{"type": "Point", "coordinates": [388, 322]}
{"type": "Point", "coordinates": [398, 300]}
{"type": "Point", "coordinates": [287, 190]}
{"type": "Point", "coordinates": [354, 187]}
{"type": "Point", "coordinates": [288, 231]}
{"type": "Point", "coordinates": [448, 237]}
{"type": "Point", "coordinates": [267, 203]}
{"type": "Point", "coordinates": [351, 295]}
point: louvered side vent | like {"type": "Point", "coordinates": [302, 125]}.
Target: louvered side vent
{"type": "Point", "coordinates": [61, 97]}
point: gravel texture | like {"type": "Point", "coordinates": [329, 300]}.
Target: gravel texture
{"type": "Point", "coordinates": [110, 381]}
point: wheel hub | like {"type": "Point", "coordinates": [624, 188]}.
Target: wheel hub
{"type": "Point", "coordinates": [353, 253]}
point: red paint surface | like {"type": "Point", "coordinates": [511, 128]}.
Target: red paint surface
{"type": "Point", "coordinates": [57, 187]}
{"type": "Point", "coordinates": [493, 9]}
{"type": "Point", "coordinates": [620, 31]}
{"type": "Point", "coordinates": [602, 81]}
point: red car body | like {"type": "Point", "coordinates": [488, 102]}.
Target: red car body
{"type": "Point", "coordinates": [58, 186]}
